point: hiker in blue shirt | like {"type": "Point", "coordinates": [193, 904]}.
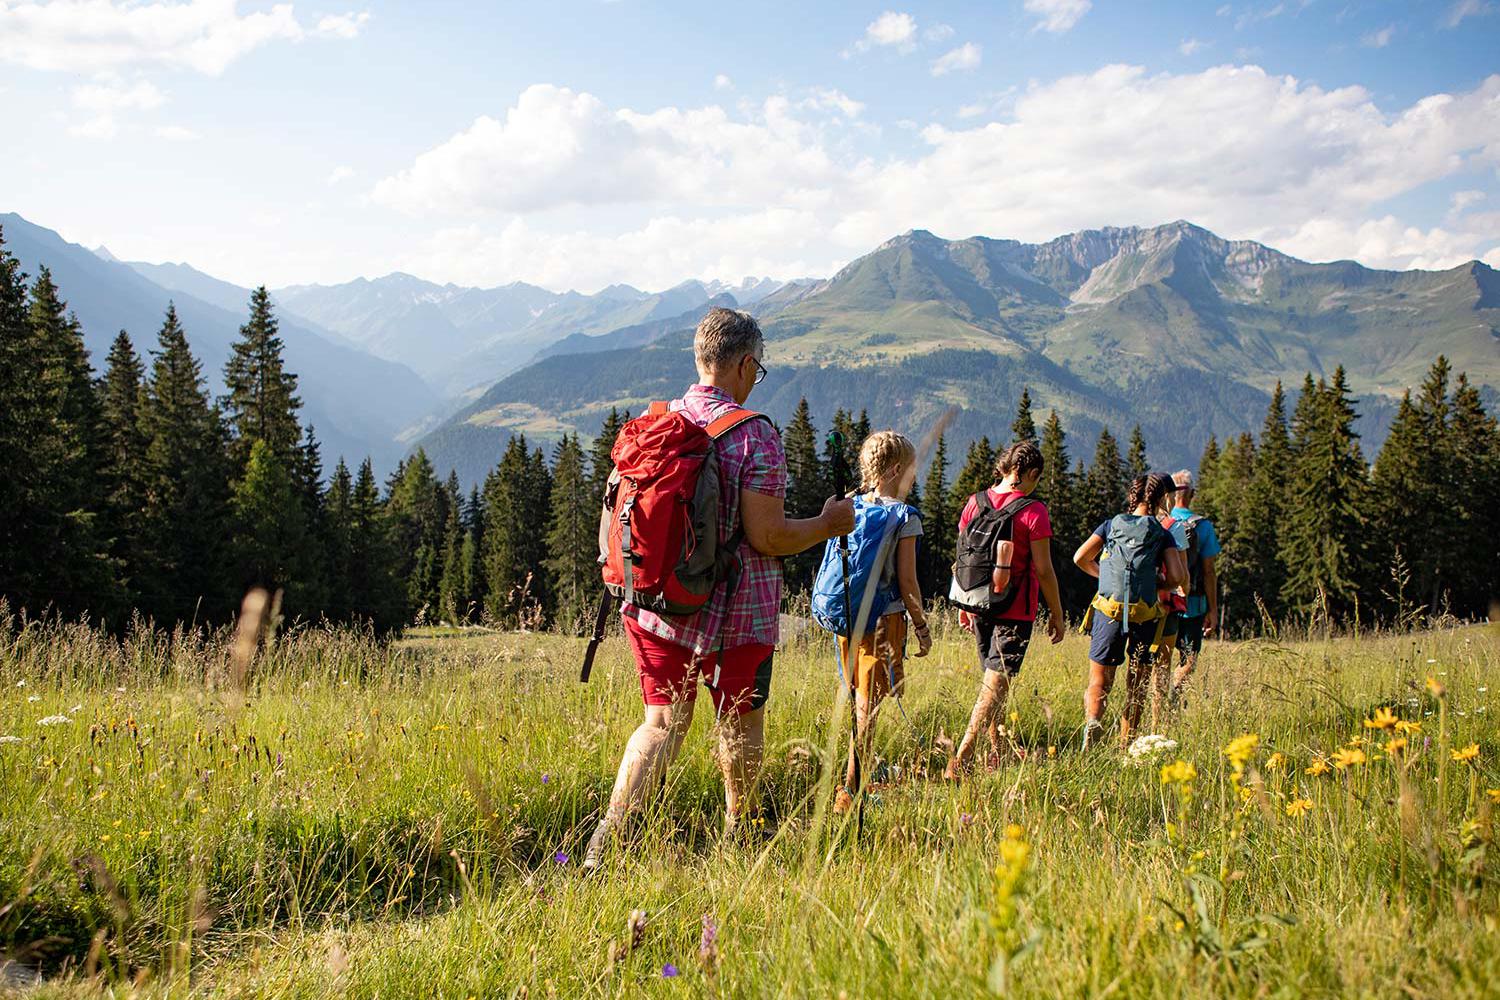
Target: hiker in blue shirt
{"type": "Point", "coordinates": [1202, 610]}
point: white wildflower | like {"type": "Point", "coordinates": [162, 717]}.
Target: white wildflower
{"type": "Point", "coordinates": [9, 739]}
{"type": "Point", "coordinates": [76, 708]}
{"type": "Point", "coordinates": [33, 699]}
{"type": "Point", "coordinates": [1147, 748]}
{"type": "Point", "coordinates": [54, 720]}
{"type": "Point", "coordinates": [21, 683]}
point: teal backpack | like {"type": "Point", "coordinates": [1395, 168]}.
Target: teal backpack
{"type": "Point", "coordinates": [1133, 547]}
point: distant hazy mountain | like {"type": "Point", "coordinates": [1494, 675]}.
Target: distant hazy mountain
{"type": "Point", "coordinates": [638, 335]}
{"type": "Point", "coordinates": [358, 404]}
{"type": "Point", "coordinates": [1170, 326]}
{"type": "Point", "coordinates": [457, 338]}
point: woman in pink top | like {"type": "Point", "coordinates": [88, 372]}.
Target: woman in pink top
{"type": "Point", "coordinates": [1003, 636]}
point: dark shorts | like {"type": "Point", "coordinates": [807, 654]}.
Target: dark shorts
{"type": "Point", "coordinates": [1169, 630]}
{"type": "Point", "coordinates": [1190, 635]}
{"type": "Point", "coordinates": [670, 673]}
{"type": "Point", "coordinates": [1108, 642]}
{"type": "Point", "coordinates": [1002, 643]}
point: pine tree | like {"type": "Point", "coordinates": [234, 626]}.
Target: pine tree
{"type": "Point", "coordinates": [1223, 499]}
{"type": "Point", "coordinates": [186, 513]}
{"type": "Point", "coordinates": [807, 488]}
{"type": "Point", "coordinates": [1323, 540]}
{"type": "Point", "coordinates": [1136, 462]}
{"type": "Point", "coordinates": [123, 456]}
{"type": "Point", "coordinates": [1435, 551]}
{"type": "Point", "coordinates": [416, 519]}
{"type": "Point", "coordinates": [1103, 493]}
{"type": "Point", "coordinates": [473, 549]}
{"type": "Point", "coordinates": [1475, 442]}
{"type": "Point", "coordinates": [977, 474]}
{"type": "Point", "coordinates": [338, 528]}
{"type": "Point", "coordinates": [269, 532]}
{"type": "Point", "coordinates": [307, 480]}
{"type": "Point", "coordinates": [374, 591]}
{"type": "Point", "coordinates": [1400, 486]}
{"type": "Point", "coordinates": [572, 540]}
{"type": "Point", "coordinates": [601, 465]}
{"type": "Point", "coordinates": [262, 402]}
{"type": "Point", "coordinates": [1260, 575]}
{"type": "Point", "coordinates": [451, 602]}
{"type": "Point", "coordinates": [1023, 428]}
{"type": "Point", "coordinates": [939, 524]}
{"type": "Point", "coordinates": [71, 556]}
{"type": "Point", "coordinates": [1057, 489]}
{"type": "Point", "coordinates": [515, 536]}
{"type": "Point", "coordinates": [21, 438]}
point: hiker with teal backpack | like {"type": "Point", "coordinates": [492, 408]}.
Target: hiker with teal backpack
{"type": "Point", "coordinates": [1126, 617]}
{"type": "Point", "coordinates": [872, 579]}
{"type": "Point", "coordinates": [1201, 601]}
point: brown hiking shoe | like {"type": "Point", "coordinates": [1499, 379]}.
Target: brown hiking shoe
{"type": "Point", "coordinates": [842, 801]}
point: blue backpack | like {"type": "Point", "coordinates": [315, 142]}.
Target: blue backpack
{"type": "Point", "coordinates": [876, 527]}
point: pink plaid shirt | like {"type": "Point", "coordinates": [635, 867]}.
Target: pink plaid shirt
{"type": "Point", "coordinates": [750, 457]}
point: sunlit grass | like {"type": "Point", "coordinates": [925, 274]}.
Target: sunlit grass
{"type": "Point", "coordinates": [381, 820]}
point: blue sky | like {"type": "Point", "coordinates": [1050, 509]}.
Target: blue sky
{"type": "Point", "coordinates": [575, 144]}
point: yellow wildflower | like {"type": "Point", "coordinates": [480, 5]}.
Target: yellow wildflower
{"type": "Point", "coordinates": [1435, 687]}
{"type": "Point", "coordinates": [1298, 807]}
{"type": "Point", "coordinates": [1348, 758]}
{"type": "Point", "coordinates": [1493, 793]}
{"type": "Point", "coordinates": [440, 727]}
{"type": "Point", "coordinates": [1276, 761]}
{"type": "Point", "coordinates": [1384, 719]}
{"type": "Point", "coordinates": [1241, 748]}
{"type": "Point", "coordinates": [1317, 767]}
{"type": "Point", "coordinates": [1180, 771]}
{"type": "Point", "coordinates": [1407, 728]}
{"type": "Point", "coordinates": [1052, 750]}
{"type": "Point", "coordinates": [1467, 753]}
{"type": "Point", "coordinates": [1394, 747]}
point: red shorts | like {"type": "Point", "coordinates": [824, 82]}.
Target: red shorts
{"type": "Point", "coordinates": [669, 673]}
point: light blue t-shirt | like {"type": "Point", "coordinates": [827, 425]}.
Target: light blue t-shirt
{"type": "Point", "coordinates": [1208, 545]}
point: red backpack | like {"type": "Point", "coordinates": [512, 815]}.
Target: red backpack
{"type": "Point", "coordinates": [661, 545]}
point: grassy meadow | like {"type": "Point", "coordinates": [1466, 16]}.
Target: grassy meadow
{"type": "Point", "coordinates": [378, 820]}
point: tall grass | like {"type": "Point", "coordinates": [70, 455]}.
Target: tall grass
{"type": "Point", "coordinates": [373, 819]}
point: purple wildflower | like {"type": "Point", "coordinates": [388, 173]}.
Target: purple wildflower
{"type": "Point", "coordinates": [546, 777]}
{"type": "Point", "coordinates": [965, 819]}
{"type": "Point", "coordinates": [560, 858]}
{"type": "Point", "coordinates": [708, 949]}
{"type": "Point", "coordinates": [669, 970]}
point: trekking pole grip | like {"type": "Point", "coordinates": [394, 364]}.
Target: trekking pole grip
{"type": "Point", "coordinates": [840, 472]}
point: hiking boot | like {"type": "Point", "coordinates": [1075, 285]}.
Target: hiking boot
{"type": "Point", "coordinates": [593, 856]}
{"type": "Point", "coordinates": [842, 801]}
{"type": "Point", "coordinates": [1093, 732]}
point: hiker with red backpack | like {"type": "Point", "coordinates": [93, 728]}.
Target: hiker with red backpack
{"type": "Point", "coordinates": [1126, 617]}
{"type": "Point", "coordinates": [691, 535]}
{"type": "Point", "coordinates": [1003, 563]}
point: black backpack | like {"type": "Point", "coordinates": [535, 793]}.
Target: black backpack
{"type": "Point", "coordinates": [974, 564]}
{"type": "Point", "coordinates": [1194, 555]}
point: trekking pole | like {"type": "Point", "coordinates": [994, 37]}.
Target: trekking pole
{"type": "Point", "coordinates": [850, 670]}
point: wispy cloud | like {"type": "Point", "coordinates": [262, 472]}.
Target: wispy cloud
{"type": "Point", "coordinates": [175, 133]}
{"type": "Point", "coordinates": [1379, 39]}
{"type": "Point", "coordinates": [1466, 9]}
{"type": "Point", "coordinates": [342, 25]}
{"type": "Point", "coordinates": [892, 28]}
{"type": "Point", "coordinates": [722, 82]}
{"type": "Point", "coordinates": [966, 56]}
{"type": "Point", "coordinates": [339, 174]}
{"type": "Point", "coordinates": [1057, 16]}
{"type": "Point", "coordinates": [1190, 45]}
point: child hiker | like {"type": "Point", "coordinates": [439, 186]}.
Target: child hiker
{"type": "Point", "coordinates": [1004, 564]}
{"type": "Point", "coordinates": [1126, 618]}
{"type": "Point", "coordinates": [888, 468]}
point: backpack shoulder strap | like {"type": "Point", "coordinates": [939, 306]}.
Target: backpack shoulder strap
{"type": "Point", "coordinates": [723, 425]}
{"type": "Point", "coordinates": [1017, 505]}
{"type": "Point", "coordinates": [658, 408]}
{"type": "Point", "coordinates": [983, 499]}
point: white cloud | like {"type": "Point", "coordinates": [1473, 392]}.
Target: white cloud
{"type": "Point", "coordinates": [890, 28]}
{"type": "Point", "coordinates": [104, 98]}
{"type": "Point", "coordinates": [579, 191]}
{"type": "Point", "coordinates": [1492, 258]}
{"type": "Point", "coordinates": [966, 56]}
{"type": "Point", "coordinates": [1462, 200]}
{"type": "Point", "coordinates": [829, 99]}
{"type": "Point", "coordinates": [98, 127]}
{"type": "Point", "coordinates": [344, 26]}
{"type": "Point", "coordinates": [92, 35]}
{"type": "Point", "coordinates": [938, 33]}
{"type": "Point", "coordinates": [1379, 39]}
{"type": "Point", "coordinates": [175, 133]}
{"type": "Point", "coordinates": [340, 174]}
{"type": "Point", "coordinates": [722, 82]}
{"type": "Point", "coordinates": [1466, 8]}
{"type": "Point", "coordinates": [1057, 16]}
{"type": "Point", "coordinates": [1190, 45]}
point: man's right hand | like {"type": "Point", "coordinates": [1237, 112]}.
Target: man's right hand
{"type": "Point", "coordinates": [838, 516]}
{"type": "Point", "coordinates": [1055, 628]}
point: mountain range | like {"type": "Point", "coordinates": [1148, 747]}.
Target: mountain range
{"type": "Point", "coordinates": [1171, 327]}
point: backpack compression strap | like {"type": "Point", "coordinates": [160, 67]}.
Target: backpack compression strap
{"type": "Point", "coordinates": [729, 421]}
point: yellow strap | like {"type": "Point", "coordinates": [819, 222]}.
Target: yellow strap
{"type": "Point", "coordinates": [1140, 611]}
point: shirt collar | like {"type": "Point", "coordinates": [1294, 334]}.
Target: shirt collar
{"type": "Point", "coordinates": [699, 389]}
{"type": "Point", "coordinates": [1181, 512]}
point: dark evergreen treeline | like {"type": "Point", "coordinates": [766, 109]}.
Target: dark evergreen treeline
{"type": "Point", "coordinates": [138, 493]}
